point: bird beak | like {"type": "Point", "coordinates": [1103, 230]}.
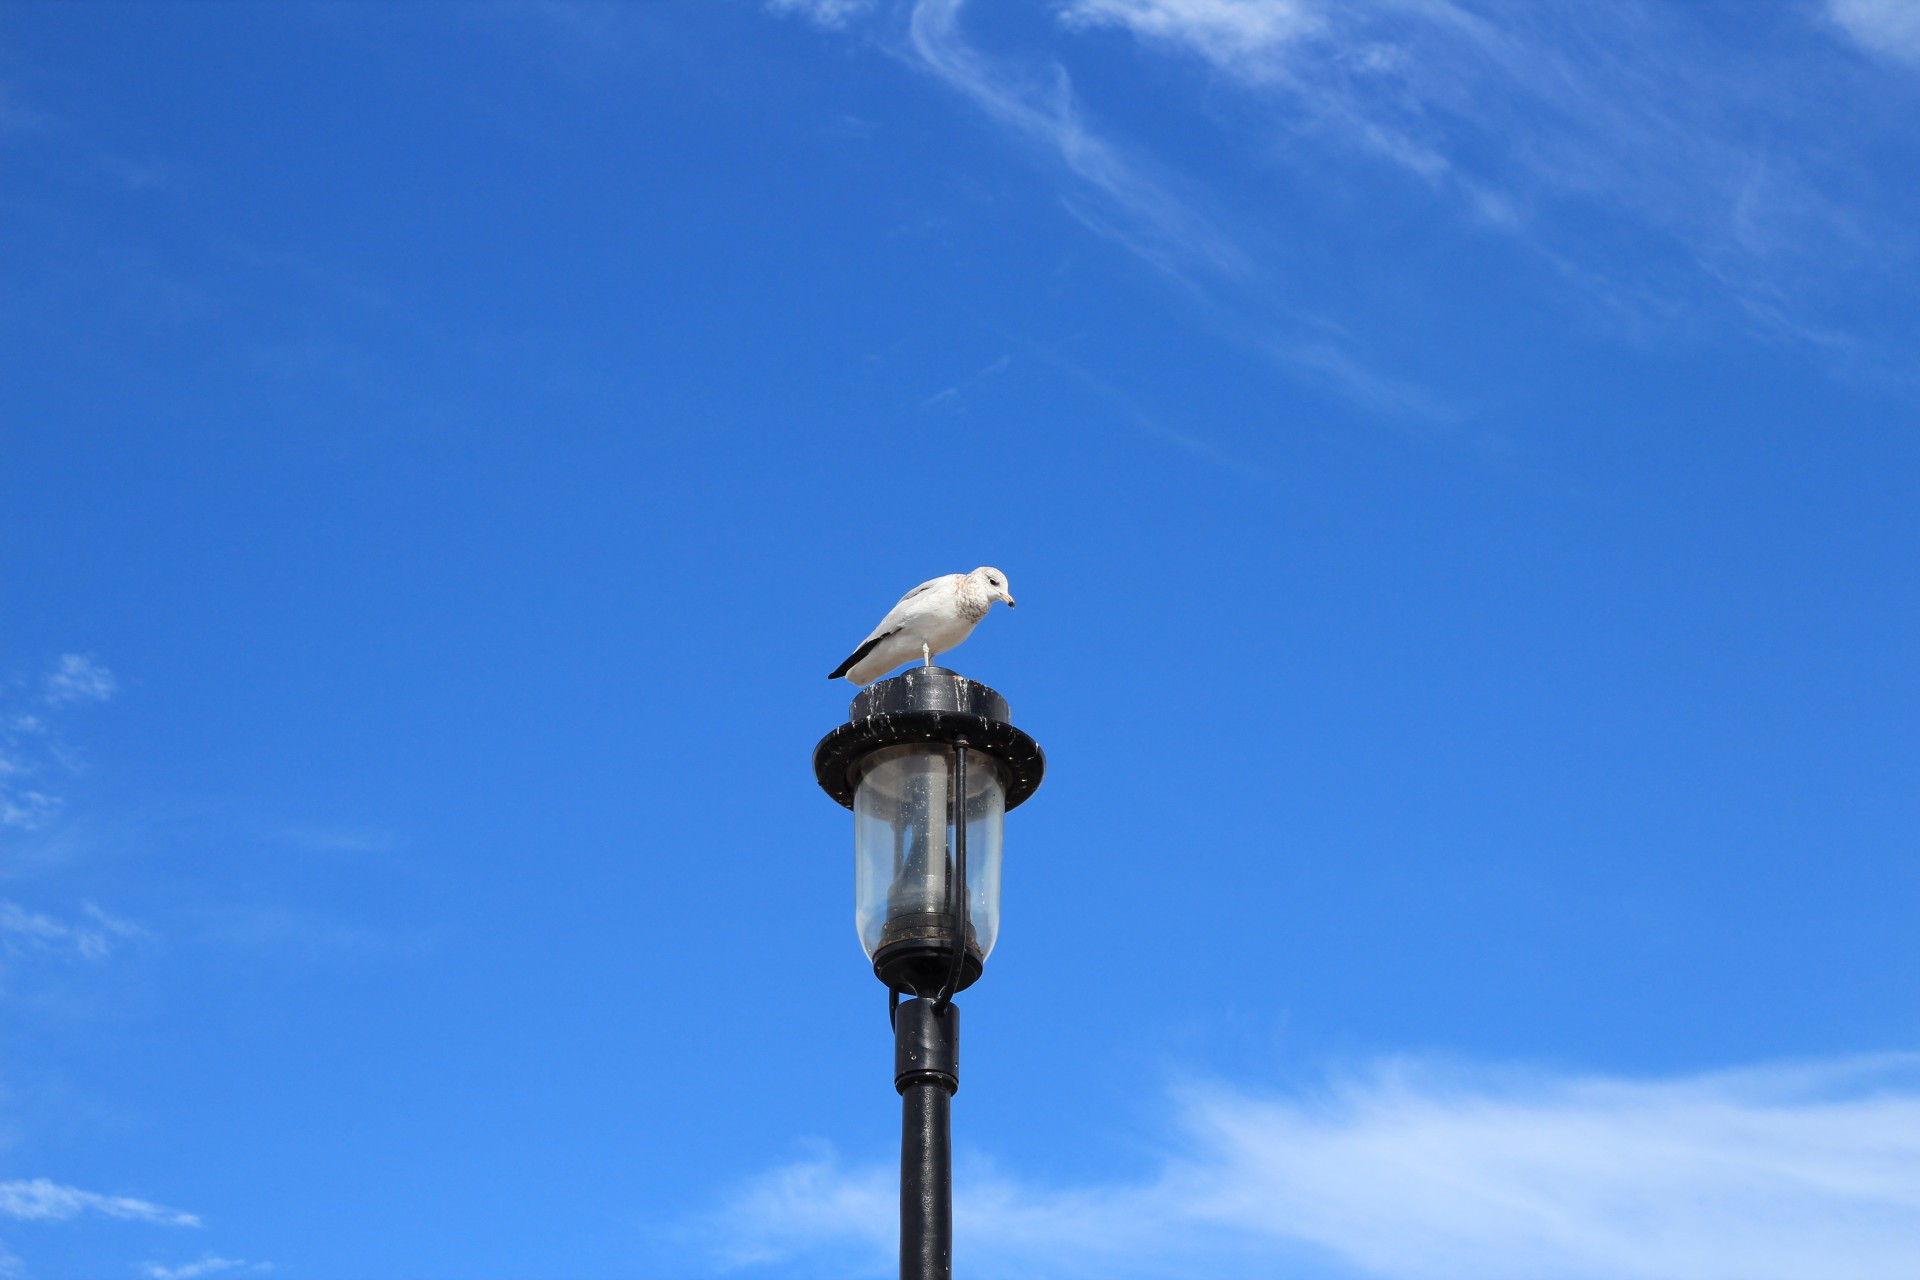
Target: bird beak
{"type": "Point", "coordinates": [1010, 603]}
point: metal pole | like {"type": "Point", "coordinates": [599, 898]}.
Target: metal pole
{"type": "Point", "coordinates": [926, 1071]}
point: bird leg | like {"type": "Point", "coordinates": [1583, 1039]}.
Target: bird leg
{"type": "Point", "coordinates": [926, 651]}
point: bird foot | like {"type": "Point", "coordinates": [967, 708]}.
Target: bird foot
{"type": "Point", "coordinates": [926, 651]}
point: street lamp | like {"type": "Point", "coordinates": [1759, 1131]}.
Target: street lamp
{"type": "Point", "coordinates": [929, 763]}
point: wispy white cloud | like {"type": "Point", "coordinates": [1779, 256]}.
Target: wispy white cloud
{"type": "Point", "coordinates": [1674, 180]}
{"type": "Point", "coordinates": [1248, 37]}
{"type": "Point", "coordinates": [1411, 1172]}
{"type": "Point", "coordinates": [1125, 410]}
{"type": "Point", "coordinates": [1536, 121]}
{"type": "Point", "coordinates": [810, 1208]}
{"type": "Point", "coordinates": [78, 678]}
{"type": "Point", "coordinates": [25, 801]}
{"type": "Point", "coordinates": [1890, 28]}
{"type": "Point", "coordinates": [1117, 194]}
{"type": "Point", "coordinates": [206, 1265]}
{"type": "Point", "coordinates": [43, 1200]}
{"type": "Point", "coordinates": [950, 396]}
{"type": "Point", "coordinates": [340, 839]}
{"type": "Point", "coordinates": [22, 806]}
{"type": "Point", "coordinates": [294, 931]}
{"type": "Point", "coordinates": [32, 754]}
{"type": "Point", "coordinates": [1114, 193]}
{"type": "Point", "coordinates": [46, 1201]}
{"type": "Point", "coordinates": [92, 938]}
{"type": "Point", "coordinates": [1121, 195]}
{"type": "Point", "coordinates": [828, 13]}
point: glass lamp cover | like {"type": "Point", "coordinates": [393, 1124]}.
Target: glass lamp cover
{"type": "Point", "coordinates": [903, 842]}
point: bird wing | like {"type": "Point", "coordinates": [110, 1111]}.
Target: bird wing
{"type": "Point", "coordinates": [928, 585]}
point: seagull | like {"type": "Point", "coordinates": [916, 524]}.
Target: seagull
{"type": "Point", "coordinates": [932, 618]}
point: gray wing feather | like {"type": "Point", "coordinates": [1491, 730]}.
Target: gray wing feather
{"type": "Point", "coordinates": [928, 585]}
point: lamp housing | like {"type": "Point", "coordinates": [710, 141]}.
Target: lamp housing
{"type": "Point", "coordinates": [897, 763]}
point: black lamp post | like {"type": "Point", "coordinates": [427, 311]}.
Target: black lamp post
{"type": "Point", "coordinates": [929, 764]}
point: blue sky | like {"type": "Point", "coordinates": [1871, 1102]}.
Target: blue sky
{"type": "Point", "coordinates": [1457, 461]}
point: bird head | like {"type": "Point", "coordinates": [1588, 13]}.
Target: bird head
{"type": "Point", "coordinates": [994, 583]}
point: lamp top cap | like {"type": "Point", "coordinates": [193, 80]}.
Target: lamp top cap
{"type": "Point", "coordinates": [929, 689]}
{"type": "Point", "coordinates": [927, 705]}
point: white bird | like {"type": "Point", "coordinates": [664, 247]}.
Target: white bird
{"type": "Point", "coordinates": [930, 619]}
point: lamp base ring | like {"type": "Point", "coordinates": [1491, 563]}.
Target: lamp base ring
{"type": "Point", "coordinates": [920, 966]}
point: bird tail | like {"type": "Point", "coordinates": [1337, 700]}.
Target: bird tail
{"type": "Point", "coordinates": [866, 648]}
